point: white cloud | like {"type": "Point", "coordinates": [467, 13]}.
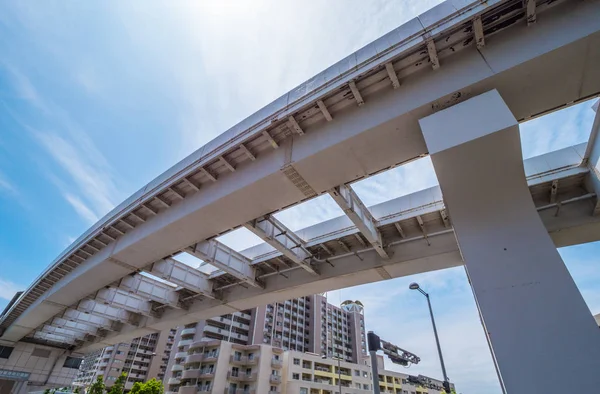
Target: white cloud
{"type": "Point", "coordinates": [8, 289]}
{"type": "Point", "coordinates": [81, 209]}
{"type": "Point", "coordinates": [7, 186]}
{"type": "Point", "coordinates": [89, 173]}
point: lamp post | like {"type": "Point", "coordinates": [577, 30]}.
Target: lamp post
{"type": "Point", "coordinates": [415, 286]}
{"type": "Point", "coordinates": [339, 370]}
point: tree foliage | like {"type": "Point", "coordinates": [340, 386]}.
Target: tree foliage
{"type": "Point", "coordinates": [97, 387]}
{"type": "Point", "coordinates": [152, 386]}
{"type": "Point", "coordinates": [119, 386]}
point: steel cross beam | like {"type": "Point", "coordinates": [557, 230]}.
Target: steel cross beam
{"type": "Point", "coordinates": [107, 311]}
{"type": "Point", "coordinates": [183, 275]}
{"type": "Point", "coordinates": [276, 234]}
{"type": "Point", "coordinates": [79, 317]}
{"type": "Point", "coordinates": [124, 300]}
{"type": "Point", "coordinates": [224, 258]}
{"type": "Point", "coordinates": [61, 322]}
{"type": "Point", "coordinates": [360, 215]}
{"type": "Point", "coordinates": [66, 333]}
{"type": "Point", "coordinates": [151, 289]}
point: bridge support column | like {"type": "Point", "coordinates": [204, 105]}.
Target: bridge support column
{"type": "Point", "coordinates": [541, 332]}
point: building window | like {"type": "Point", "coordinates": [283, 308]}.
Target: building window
{"type": "Point", "coordinates": [303, 390]}
{"type": "Point", "coordinates": [5, 351]}
{"type": "Point", "coordinates": [296, 361]}
{"type": "Point", "coordinates": [296, 376]}
{"type": "Point", "coordinates": [356, 372]}
{"type": "Point", "coordinates": [72, 362]}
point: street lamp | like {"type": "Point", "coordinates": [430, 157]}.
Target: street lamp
{"type": "Point", "coordinates": [339, 360]}
{"type": "Point", "coordinates": [415, 286]}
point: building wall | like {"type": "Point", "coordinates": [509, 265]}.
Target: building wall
{"type": "Point", "coordinates": [141, 359]}
{"type": "Point", "coordinates": [225, 367]}
{"type": "Point", "coordinates": [305, 373]}
{"type": "Point", "coordinates": [48, 367]}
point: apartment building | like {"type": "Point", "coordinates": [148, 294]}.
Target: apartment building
{"type": "Point", "coordinates": [305, 324]}
{"type": "Point", "coordinates": [305, 373]}
{"type": "Point", "coordinates": [311, 324]}
{"type": "Point", "coordinates": [141, 359]}
{"type": "Point", "coordinates": [215, 366]}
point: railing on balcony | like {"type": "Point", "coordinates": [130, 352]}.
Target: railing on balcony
{"type": "Point", "coordinates": [176, 367]}
{"type": "Point", "coordinates": [194, 358]}
{"type": "Point", "coordinates": [275, 379]}
{"type": "Point", "coordinates": [188, 331]}
{"type": "Point", "coordinates": [239, 391]}
{"type": "Point", "coordinates": [276, 363]}
{"type": "Point", "coordinates": [191, 389]}
{"type": "Point", "coordinates": [172, 381]}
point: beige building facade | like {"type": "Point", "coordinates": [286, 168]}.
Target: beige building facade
{"type": "Point", "coordinates": [141, 359]}
{"type": "Point", "coordinates": [214, 366]}
{"type": "Point", "coordinates": [220, 367]}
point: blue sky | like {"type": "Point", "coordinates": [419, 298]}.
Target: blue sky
{"type": "Point", "coordinates": [98, 98]}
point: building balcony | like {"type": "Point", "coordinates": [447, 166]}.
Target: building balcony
{"type": "Point", "coordinates": [191, 374]}
{"type": "Point", "coordinates": [206, 374]}
{"type": "Point", "coordinates": [276, 363]}
{"type": "Point", "coordinates": [194, 358]}
{"type": "Point", "coordinates": [217, 330]}
{"type": "Point", "coordinates": [239, 391]}
{"type": "Point", "coordinates": [274, 392]}
{"type": "Point", "coordinates": [210, 357]}
{"type": "Point", "coordinates": [241, 377]}
{"type": "Point", "coordinates": [275, 379]}
{"type": "Point", "coordinates": [242, 360]}
{"type": "Point", "coordinates": [188, 331]}
{"type": "Point", "coordinates": [180, 355]}
{"type": "Point", "coordinates": [242, 315]}
{"type": "Point", "coordinates": [253, 360]}
{"type": "Point", "coordinates": [185, 342]}
{"type": "Point", "coordinates": [192, 389]}
{"type": "Point", "coordinates": [174, 381]}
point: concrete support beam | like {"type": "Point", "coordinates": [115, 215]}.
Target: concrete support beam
{"type": "Point", "coordinates": [276, 234]}
{"type": "Point", "coordinates": [592, 161]}
{"type": "Point", "coordinates": [183, 275]}
{"type": "Point", "coordinates": [224, 258]}
{"type": "Point", "coordinates": [535, 319]}
{"type": "Point", "coordinates": [151, 289]}
{"type": "Point", "coordinates": [359, 214]}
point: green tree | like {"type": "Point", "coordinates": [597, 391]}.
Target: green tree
{"type": "Point", "coordinates": [119, 386]}
{"type": "Point", "coordinates": [97, 387]}
{"type": "Point", "coordinates": [152, 386]}
{"type": "Point", "coordinates": [136, 388]}
{"type": "Point", "coordinates": [47, 391]}
{"type": "Point", "coordinates": [76, 391]}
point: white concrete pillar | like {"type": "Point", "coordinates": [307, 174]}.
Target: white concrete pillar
{"type": "Point", "coordinates": [542, 334]}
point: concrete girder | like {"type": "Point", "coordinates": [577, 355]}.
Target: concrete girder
{"type": "Point", "coordinates": [128, 301]}
{"type": "Point", "coordinates": [276, 234]}
{"type": "Point", "coordinates": [224, 258]}
{"type": "Point", "coordinates": [151, 289]}
{"type": "Point", "coordinates": [525, 294]}
{"type": "Point", "coordinates": [183, 275]}
{"type": "Point", "coordinates": [360, 215]}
